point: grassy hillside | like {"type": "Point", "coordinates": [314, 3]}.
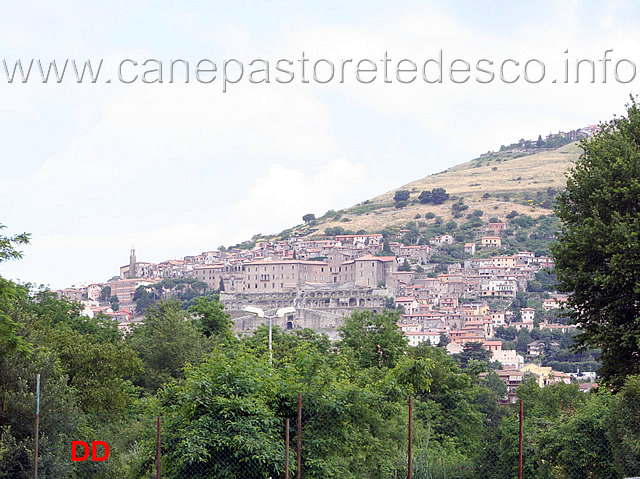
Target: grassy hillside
{"type": "Point", "coordinates": [496, 184]}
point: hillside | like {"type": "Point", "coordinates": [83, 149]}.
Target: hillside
{"type": "Point", "coordinates": [495, 183]}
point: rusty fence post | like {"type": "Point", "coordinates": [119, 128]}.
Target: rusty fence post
{"type": "Point", "coordinates": [520, 445]}
{"type": "Point", "coordinates": [286, 449]}
{"type": "Point", "coordinates": [410, 437]}
{"type": "Point", "coordinates": [36, 439]}
{"type": "Point", "coordinates": [299, 470]}
{"type": "Point", "coordinates": [159, 451]}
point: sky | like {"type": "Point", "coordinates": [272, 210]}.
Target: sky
{"type": "Point", "coordinates": [175, 169]}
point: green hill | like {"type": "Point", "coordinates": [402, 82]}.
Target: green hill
{"type": "Point", "coordinates": [495, 184]}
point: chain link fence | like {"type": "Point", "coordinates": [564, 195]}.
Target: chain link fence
{"type": "Point", "coordinates": [432, 436]}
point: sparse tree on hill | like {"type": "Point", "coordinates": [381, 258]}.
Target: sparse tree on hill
{"type": "Point", "coordinates": [308, 217]}
{"type": "Point", "coordinates": [439, 196]}
{"type": "Point", "coordinates": [425, 197]}
{"type": "Point", "coordinates": [401, 195]}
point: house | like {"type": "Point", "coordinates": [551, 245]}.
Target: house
{"type": "Point", "coordinates": [442, 239]}
{"type": "Point", "coordinates": [496, 228]}
{"type": "Point", "coordinates": [493, 346]}
{"type": "Point", "coordinates": [509, 358]}
{"type": "Point", "coordinates": [535, 349]}
{"type": "Point", "coordinates": [409, 304]}
{"type": "Point", "coordinates": [415, 338]}
{"type": "Point", "coordinates": [498, 318]}
{"type": "Point", "coordinates": [499, 289]}
{"type": "Point", "coordinates": [545, 375]}
{"type": "Point", "coordinates": [371, 270]}
{"type": "Point", "coordinates": [470, 249]}
{"type": "Point", "coordinates": [503, 261]}
{"type": "Point", "coordinates": [527, 315]}
{"type": "Point", "coordinates": [491, 241]}
{"type": "Point", "coordinates": [554, 303]}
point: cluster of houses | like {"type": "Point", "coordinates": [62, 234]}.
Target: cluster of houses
{"type": "Point", "coordinates": [454, 304]}
{"type": "Point", "coordinates": [475, 322]}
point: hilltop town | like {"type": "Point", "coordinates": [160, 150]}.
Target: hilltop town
{"type": "Point", "coordinates": [472, 279]}
{"type": "Point", "coordinates": [327, 279]}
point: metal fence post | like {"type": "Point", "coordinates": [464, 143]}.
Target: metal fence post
{"type": "Point", "coordinates": [286, 449]}
{"type": "Point", "coordinates": [159, 452]}
{"type": "Point", "coordinates": [299, 471]}
{"type": "Point", "coordinates": [520, 445]}
{"type": "Point", "coordinates": [410, 436]}
{"type": "Point", "coordinates": [35, 452]}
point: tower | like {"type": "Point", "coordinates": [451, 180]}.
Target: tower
{"type": "Point", "coordinates": [132, 263]}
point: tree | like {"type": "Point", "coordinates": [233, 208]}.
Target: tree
{"type": "Point", "coordinates": [105, 294]}
{"type": "Point", "coordinates": [493, 382]}
{"type": "Point", "coordinates": [386, 248]}
{"type": "Point", "coordinates": [115, 302]}
{"type": "Point", "coordinates": [598, 249]}
{"type": "Point", "coordinates": [212, 319]}
{"type": "Point", "coordinates": [473, 352]}
{"type": "Point", "coordinates": [308, 217]}
{"type": "Point", "coordinates": [9, 292]}
{"type": "Point", "coordinates": [374, 338]}
{"type": "Point", "coordinates": [166, 342]}
{"type": "Point", "coordinates": [8, 245]}
{"type": "Point", "coordinates": [439, 196]}
{"type": "Point", "coordinates": [143, 299]}
{"type": "Point", "coordinates": [405, 266]}
{"type": "Point", "coordinates": [401, 195]}
{"type": "Point", "coordinates": [425, 197]}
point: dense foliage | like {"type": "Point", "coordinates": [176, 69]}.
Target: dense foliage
{"type": "Point", "coordinates": [597, 253]}
{"type": "Point", "coordinates": [223, 404]}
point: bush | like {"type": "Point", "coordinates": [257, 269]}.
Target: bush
{"type": "Point", "coordinates": [401, 195]}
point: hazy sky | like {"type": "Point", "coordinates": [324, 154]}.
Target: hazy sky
{"type": "Point", "coordinates": [177, 169]}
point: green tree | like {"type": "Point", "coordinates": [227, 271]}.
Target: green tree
{"type": "Point", "coordinates": [473, 352]}
{"type": "Point", "coordinates": [624, 428]}
{"type": "Point", "coordinates": [9, 292]}
{"type": "Point", "coordinates": [115, 302]}
{"type": "Point", "coordinates": [373, 338]}
{"type": "Point", "coordinates": [439, 196]}
{"type": "Point", "coordinates": [405, 266]}
{"type": "Point", "coordinates": [222, 421]}
{"type": "Point", "coordinates": [386, 248]}
{"type": "Point", "coordinates": [105, 294]}
{"type": "Point", "coordinates": [308, 218]}
{"type": "Point", "coordinates": [401, 195]}
{"type": "Point", "coordinates": [493, 382]}
{"type": "Point", "coordinates": [598, 248]}
{"type": "Point", "coordinates": [166, 342]}
{"type": "Point", "coordinates": [143, 299]}
{"type": "Point", "coordinates": [211, 318]}
{"type": "Point", "coordinates": [425, 197]}
{"type": "Point", "coordinates": [98, 371]}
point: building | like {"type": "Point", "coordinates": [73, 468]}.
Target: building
{"type": "Point", "coordinates": [528, 314]}
{"type": "Point", "coordinates": [470, 249]}
{"type": "Point", "coordinates": [373, 271]}
{"type": "Point", "coordinates": [496, 228]}
{"type": "Point", "coordinates": [491, 241]}
{"type": "Point", "coordinates": [417, 337]}
{"type": "Point", "coordinates": [125, 289]}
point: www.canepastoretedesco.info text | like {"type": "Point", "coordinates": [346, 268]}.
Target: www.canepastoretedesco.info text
{"type": "Point", "coordinates": [227, 72]}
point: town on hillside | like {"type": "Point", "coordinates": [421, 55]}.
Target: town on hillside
{"type": "Point", "coordinates": [326, 279]}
